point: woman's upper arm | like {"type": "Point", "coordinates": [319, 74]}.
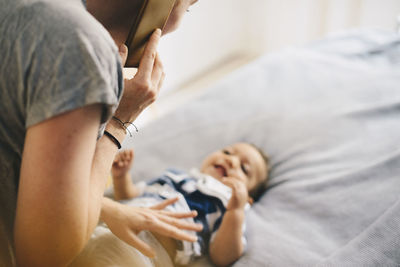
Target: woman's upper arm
{"type": "Point", "coordinates": [53, 193]}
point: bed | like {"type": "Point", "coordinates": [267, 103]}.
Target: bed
{"type": "Point", "coordinates": [328, 115]}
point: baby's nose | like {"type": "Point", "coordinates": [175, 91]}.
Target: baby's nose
{"type": "Point", "coordinates": [232, 161]}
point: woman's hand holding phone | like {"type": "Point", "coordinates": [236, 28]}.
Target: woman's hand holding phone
{"type": "Point", "coordinates": [143, 88]}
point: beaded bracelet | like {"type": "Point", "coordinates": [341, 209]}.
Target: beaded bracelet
{"type": "Point", "coordinates": [123, 124]}
{"type": "Point", "coordinates": [112, 137]}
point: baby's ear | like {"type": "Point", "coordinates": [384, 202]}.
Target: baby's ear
{"type": "Point", "coordinates": [250, 200]}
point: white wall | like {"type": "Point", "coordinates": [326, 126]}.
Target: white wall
{"type": "Point", "coordinates": [216, 30]}
{"type": "Point", "coordinates": [211, 32]}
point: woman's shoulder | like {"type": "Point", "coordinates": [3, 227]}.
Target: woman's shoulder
{"type": "Point", "coordinates": [60, 56]}
{"type": "Point", "coordinates": [55, 22]}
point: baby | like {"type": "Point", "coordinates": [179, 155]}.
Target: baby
{"type": "Point", "coordinates": [227, 183]}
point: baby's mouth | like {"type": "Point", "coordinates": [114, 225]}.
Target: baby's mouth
{"type": "Point", "coordinates": [221, 170]}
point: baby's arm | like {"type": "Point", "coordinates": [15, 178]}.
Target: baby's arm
{"type": "Point", "coordinates": [227, 245]}
{"type": "Point", "coordinates": [123, 185]}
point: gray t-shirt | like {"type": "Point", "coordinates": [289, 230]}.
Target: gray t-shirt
{"type": "Point", "coordinates": [54, 57]}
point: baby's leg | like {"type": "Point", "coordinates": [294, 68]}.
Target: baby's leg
{"type": "Point", "coordinates": [123, 186]}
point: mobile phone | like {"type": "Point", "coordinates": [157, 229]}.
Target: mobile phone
{"type": "Point", "coordinates": [153, 14]}
{"type": "Point", "coordinates": [132, 22]}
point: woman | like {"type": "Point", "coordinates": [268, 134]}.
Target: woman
{"type": "Point", "coordinates": [60, 82]}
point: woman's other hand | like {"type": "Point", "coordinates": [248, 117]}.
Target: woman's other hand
{"type": "Point", "coordinates": [126, 222]}
{"type": "Point", "coordinates": [143, 88]}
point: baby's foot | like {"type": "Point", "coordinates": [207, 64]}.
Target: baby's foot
{"type": "Point", "coordinates": [122, 163]}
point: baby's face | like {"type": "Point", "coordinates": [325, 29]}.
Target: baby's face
{"type": "Point", "coordinates": [239, 161]}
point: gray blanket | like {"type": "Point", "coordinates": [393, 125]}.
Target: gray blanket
{"type": "Point", "coordinates": [328, 115]}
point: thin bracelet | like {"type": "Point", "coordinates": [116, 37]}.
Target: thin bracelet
{"type": "Point", "coordinates": [124, 126]}
{"type": "Point", "coordinates": [112, 137]}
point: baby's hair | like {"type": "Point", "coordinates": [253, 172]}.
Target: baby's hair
{"type": "Point", "coordinates": [257, 192]}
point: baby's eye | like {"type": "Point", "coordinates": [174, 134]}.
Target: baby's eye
{"type": "Point", "coordinates": [244, 169]}
{"type": "Point", "coordinates": [226, 152]}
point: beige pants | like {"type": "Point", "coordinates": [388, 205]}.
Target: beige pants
{"type": "Point", "coordinates": [104, 249]}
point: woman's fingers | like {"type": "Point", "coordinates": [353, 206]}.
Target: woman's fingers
{"type": "Point", "coordinates": [149, 55]}
{"type": "Point", "coordinates": [160, 83]}
{"type": "Point", "coordinates": [179, 215]}
{"type": "Point", "coordinates": [164, 204]}
{"type": "Point", "coordinates": [132, 239]}
{"type": "Point", "coordinates": [123, 53]}
{"type": "Point", "coordinates": [171, 231]}
{"type": "Point", "coordinates": [158, 71]}
{"type": "Point", "coordinates": [180, 224]}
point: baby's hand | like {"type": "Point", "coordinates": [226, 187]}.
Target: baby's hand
{"type": "Point", "coordinates": [239, 196]}
{"type": "Point", "coordinates": [122, 163]}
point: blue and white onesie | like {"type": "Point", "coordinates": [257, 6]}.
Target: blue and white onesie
{"type": "Point", "coordinates": [196, 191]}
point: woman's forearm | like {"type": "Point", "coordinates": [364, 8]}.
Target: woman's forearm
{"type": "Point", "coordinates": [227, 245]}
{"type": "Point", "coordinates": [101, 166]}
{"type": "Point", "coordinates": [61, 186]}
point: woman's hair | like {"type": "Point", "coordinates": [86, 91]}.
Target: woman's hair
{"type": "Point", "coordinates": [257, 192]}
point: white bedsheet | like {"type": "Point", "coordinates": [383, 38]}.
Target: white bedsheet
{"type": "Point", "coordinates": [329, 117]}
